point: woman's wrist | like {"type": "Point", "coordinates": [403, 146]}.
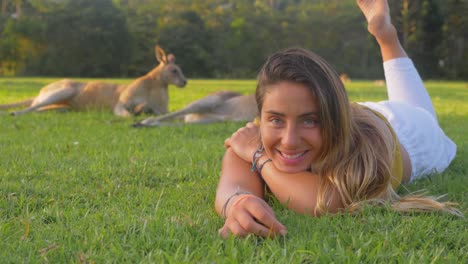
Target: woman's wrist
{"type": "Point", "coordinates": [230, 200]}
{"type": "Point", "coordinates": [255, 157]}
{"type": "Point", "coordinates": [262, 161]}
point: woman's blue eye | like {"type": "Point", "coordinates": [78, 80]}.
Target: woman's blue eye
{"type": "Point", "coordinates": [311, 122]}
{"type": "Point", "coordinates": [276, 121]}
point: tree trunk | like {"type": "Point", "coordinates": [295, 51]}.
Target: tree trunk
{"type": "Point", "coordinates": [18, 4]}
{"type": "Point", "coordinates": [405, 17]}
{"type": "Point", "coordinates": [4, 7]}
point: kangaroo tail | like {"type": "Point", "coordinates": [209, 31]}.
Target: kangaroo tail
{"type": "Point", "coordinates": [26, 102]}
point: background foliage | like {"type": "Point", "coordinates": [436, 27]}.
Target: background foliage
{"type": "Point", "coordinates": [220, 38]}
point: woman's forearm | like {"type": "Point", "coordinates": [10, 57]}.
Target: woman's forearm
{"type": "Point", "coordinates": [298, 191]}
{"type": "Point", "coordinates": [236, 177]}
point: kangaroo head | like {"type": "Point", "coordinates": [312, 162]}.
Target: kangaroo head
{"type": "Point", "coordinates": [170, 73]}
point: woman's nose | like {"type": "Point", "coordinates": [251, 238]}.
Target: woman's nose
{"type": "Point", "coordinates": [290, 137]}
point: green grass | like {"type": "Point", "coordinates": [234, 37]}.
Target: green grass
{"type": "Point", "coordinates": [86, 187]}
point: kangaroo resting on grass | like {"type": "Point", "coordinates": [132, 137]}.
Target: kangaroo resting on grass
{"type": "Point", "coordinates": [217, 107]}
{"type": "Point", "coordinates": [147, 94]}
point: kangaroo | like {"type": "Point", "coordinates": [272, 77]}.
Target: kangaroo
{"type": "Point", "coordinates": [218, 107]}
{"type": "Point", "coordinates": [146, 94]}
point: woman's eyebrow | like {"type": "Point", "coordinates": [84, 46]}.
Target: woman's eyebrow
{"type": "Point", "coordinates": [273, 112]}
{"type": "Point", "coordinates": [309, 114]}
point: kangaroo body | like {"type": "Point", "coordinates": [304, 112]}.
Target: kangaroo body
{"type": "Point", "coordinates": [218, 107]}
{"type": "Point", "coordinates": [148, 93]}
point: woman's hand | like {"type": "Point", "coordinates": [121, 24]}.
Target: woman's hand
{"type": "Point", "coordinates": [249, 214]}
{"type": "Point", "coordinates": [245, 141]}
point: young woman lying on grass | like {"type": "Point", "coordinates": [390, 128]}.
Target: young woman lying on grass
{"type": "Point", "coordinates": [318, 153]}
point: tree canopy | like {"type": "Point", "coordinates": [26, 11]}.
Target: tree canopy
{"type": "Point", "coordinates": [220, 38]}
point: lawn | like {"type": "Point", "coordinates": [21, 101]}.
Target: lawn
{"type": "Point", "coordinates": [86, 187]}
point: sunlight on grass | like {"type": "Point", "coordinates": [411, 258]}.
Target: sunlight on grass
{"type": "Point", "coordinates": [87, 187]}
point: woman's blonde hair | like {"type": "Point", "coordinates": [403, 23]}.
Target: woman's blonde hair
{"type": "Point", "coordinates": [356, 155]}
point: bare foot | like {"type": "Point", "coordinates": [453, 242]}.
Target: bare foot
{"type": "Point", "coordinates": [378, 18]}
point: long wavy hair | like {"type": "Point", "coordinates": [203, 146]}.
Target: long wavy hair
{"type": "Point", "coordinates": [357, 154]}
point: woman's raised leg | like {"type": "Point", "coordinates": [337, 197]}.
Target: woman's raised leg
{"type": "Point", "coordinates": [403, 81]}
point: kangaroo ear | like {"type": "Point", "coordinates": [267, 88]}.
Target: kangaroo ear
{"type": "Point", "coordinates": [160, 54]}
{"type": "Point", "coordinates": [171, 58]}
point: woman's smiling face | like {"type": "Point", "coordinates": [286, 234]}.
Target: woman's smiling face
{"type": "Point", "coordinates": [290, 126]}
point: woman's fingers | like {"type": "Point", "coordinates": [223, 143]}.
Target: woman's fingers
{"type": "Point", "coordinates": [251, 125]}
{"type": "Point", "coordinates": [244, 141]}
{"type": "Point", "coordinates": [232, 227]}
{"type": "Point", "coordinates": [245, 134]}
{"type": "Point", "coordinates": [224, 231]}
{"type": "Point", "coordinates": [252, 215]}
{"type": "Point", "coordinates": [264, 215]}
{"type": "Point", "coordinates": [227, 142]}
{"type": "Point", "coordinates": [253, 226]}
{"type": "Point", "coordinates": [245, 224]}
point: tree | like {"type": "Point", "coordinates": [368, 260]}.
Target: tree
{"type": "Point", "coordinates": [86, 38]}
{"type": "Point", "coordinates": [453, 49]}
{"type": "Point", "coordinates": [8, 4]}
{"type": "Point", "coordinates": [142, 23]}
{"type": "Point", "coordinates": [221, 38]}
{"type": "Point", "coordinates": [421, 23]}
{"type": "Point", "coordinates": [185, 33]}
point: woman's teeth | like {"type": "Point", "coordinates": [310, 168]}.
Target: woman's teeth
{"type": "Point", "coordinates": [295, 156]}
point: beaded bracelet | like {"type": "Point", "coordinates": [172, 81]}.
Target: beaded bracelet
{"type": "Point", "coordinates": [223, 210]}
{"type": "Point", "coordinates": [259, 169]}
{"type": "Point", "coordinates": [256, 156]}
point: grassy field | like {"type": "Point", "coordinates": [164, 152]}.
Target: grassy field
{"type": "Point", "coordinates": [86, 187]}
